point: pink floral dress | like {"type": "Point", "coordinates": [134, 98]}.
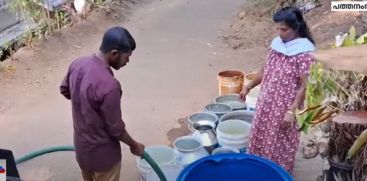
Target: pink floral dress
{"type": "Point", "coordinates": [280, 84]}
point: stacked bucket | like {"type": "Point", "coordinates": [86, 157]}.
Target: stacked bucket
{"type": "Point", "coordinates": [223, 126]}
{"type": "Point", "coordinates": [232, 134]}
{"type": "Point", "coordinates": [228, 119]}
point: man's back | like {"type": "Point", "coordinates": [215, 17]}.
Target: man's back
{"type": "Point", "coordinates": [96, 105]}
{"type": "Point", "coordinates": [92, 88]}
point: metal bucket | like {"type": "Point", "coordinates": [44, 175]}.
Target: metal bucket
{"type": "Point", "coordinates": [205, 132]}
{"type": "Point", "coordinates": [202, 116]}
{"type": "Point", "coordinates": [232, 100]}
{"type": "Point", "coordinates": [246, 116]}
{"type": "Point", "coordinates": [218, 108]}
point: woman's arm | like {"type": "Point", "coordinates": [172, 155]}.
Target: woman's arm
{"type": "Point", "coordinates": [304, 68]}
{"type": "Point", "coordinates": [253, 83]}
{"type": "Point", "coordinates": [257, 79]}
{"type": "Point", "coordinates": [305, 64]}
{"type": "Point", "coordinates": [300, 96]}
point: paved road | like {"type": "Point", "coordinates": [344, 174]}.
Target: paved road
{"type": "Point", "coordinates": [171, 74]}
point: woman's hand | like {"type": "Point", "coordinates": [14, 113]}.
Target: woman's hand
{"type": "Point", "coordinates": [289, 120]}
{"type": "Point", "coordinates": [244, 93]}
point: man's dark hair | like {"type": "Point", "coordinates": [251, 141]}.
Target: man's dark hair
{"type": "Point", "coordinates": [117, 38]}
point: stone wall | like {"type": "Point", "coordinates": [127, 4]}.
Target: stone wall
{"type": "Point", "coordinates": [2, 3]}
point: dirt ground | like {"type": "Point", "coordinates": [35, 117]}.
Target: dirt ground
{"type": "Point", "coordinates": [172, 74]}
{"type": "Point", "coordinates": [324, 25]}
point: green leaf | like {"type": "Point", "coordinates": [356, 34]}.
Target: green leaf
{"type": "Point", "coordinates": [309, 117]}
{"type": "Point", "coordinates": [357, 145]}
{"type": "Point", "coordinates": [300, 119]}
{"type": "Point", "coordinates": [301, 126]}
{"type": "Point", "coordinates": [305, 128]}
{"type": "Point", "coordinates": [362, 39]}
{"type": "Point", "coordinates": [352, 33]}
{"type": "Point", "coordinates": [23, 3]}
{"type": "Point", "coordinates": [348, 41]}
{"type": "Point", "coordinates": [304, 121]}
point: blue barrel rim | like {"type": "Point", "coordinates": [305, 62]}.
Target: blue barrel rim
{"type": "Point", "coordinates": [239, 156]}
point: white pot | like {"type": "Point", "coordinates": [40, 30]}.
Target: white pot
{"type": "Point", "coordinates": [188, 150]}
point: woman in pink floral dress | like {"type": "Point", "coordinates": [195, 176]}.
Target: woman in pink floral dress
{"type": "Point", "coordinates": [274, 133]}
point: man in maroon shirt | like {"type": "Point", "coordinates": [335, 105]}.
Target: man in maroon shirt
{"type": "Point", "coordinates": [95, 96]}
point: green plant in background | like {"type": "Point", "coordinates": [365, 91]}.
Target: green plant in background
{"type": "Point", "coordinates": [341, 91]}
{"type": "Point", "coordinates": [26, 10]}
{"type": "Point", "coordinates": [358, 144]}
{"type": "Point", "coordinates": [40, 21]}
{"type": "Point", "coordinates": [334, 90]}
{"type": "Point", "coordinates": [319, 84]}
{"type": "Point", "coordinates": [97, 2]}
{"type": "Point", "coordinates": [312, 116]}
{"type": "Point", "coordinates": [33, 11]}
{"type": "Point", "coordinates": [350, 92]}
{"type": "Point", "coordinates": [330, 91]}
{"type": "Point", "coordinates": [350, 39]}
{"type": "Point", "coordinates": [47, 22]}
{"type": "Point", "coordinates": [347, 87]}
{"type": "Point", "coordinates": [318, 90]}
{"type": "Point", "coordinates": [61, 19]}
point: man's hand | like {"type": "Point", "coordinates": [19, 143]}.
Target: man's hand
{"type": "Point", "coordinates": [244, 93]}
{"type": "Point", "coordinates": [137, 149]}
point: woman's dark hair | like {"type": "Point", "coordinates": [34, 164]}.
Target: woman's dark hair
{"type": "Point", "coordinates": [117, 38]}
{"type": "Point", "coordinates": [293, 18]}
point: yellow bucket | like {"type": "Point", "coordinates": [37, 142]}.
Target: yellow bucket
{"type": "Point", "coordinates": [230, 82]}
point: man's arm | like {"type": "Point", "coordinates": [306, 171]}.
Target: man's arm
{"type": "Point", "coordinates": [111, 110]}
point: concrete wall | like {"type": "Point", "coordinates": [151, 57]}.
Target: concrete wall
{"type": "Point", "coordinates": [2, 3]}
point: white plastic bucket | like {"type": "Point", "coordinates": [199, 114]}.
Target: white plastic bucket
{"type": "Point", "coordinates": [233, 133]}
{"type": "Point", "coordinates": [251, 99]}
{"type": "Point", "coordinates": [162, 155]}
{"type": "Point", "coordinates": [251, 103]}
{"type": "Point", "coordinates": [244, 115]}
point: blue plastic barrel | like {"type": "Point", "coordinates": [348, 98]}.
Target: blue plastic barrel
{"type": "Point", "coordinates": [233, 167]}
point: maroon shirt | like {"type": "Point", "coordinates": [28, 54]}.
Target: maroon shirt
{"type": "Point", "coordinates": [95, 97]}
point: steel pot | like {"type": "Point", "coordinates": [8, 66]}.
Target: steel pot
{"type": "Point", "coordinates": [205, 132]}
{"type": "Point", "coordinates": [218, 108]}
